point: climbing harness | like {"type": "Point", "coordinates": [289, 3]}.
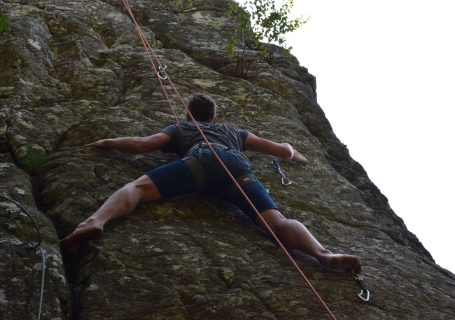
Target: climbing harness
{"type": "Point", "coordinates": [363, 293]}
{"type": "Point", "coordinates": [195, 166]}
{"type": "Point", "coordinates": [203, 144]}
{"type": "Point", "coordinates": [150, 52]}
{"type": "Point", "coordinates": [197, 171]}
{"type": "Point", "coordinates": [284, 180]}
{"type": "Point", "coordinates": [37, 247]}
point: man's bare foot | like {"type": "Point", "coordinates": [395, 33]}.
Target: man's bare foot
{"type": "Point", "coordinates": [86, 230]}
{"type": "Point", "coordinates": [342, 262]}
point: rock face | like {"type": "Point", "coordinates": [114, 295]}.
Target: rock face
{"type": "Point", "coordinates": [73, 72]}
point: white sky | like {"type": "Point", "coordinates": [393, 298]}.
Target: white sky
{"type": "Point", "coordinates": [384, 71]}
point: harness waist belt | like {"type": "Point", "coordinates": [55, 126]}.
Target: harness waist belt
{"type": "Point", "coordinates": [203, 144]}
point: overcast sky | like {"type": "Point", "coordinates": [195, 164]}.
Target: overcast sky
{"type": "Point", "coordinates": [385, 75]}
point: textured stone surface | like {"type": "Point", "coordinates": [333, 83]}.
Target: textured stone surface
{"type": "Point", "coordinates": [74, 72]}
{"type": "Point", "coordinates": [21, 264]}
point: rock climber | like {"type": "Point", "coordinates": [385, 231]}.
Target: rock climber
{"type": "Point", "coordinates": [199, 170]}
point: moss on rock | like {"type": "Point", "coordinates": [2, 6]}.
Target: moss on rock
{"type": "Point", "coordinates": [33, 159]}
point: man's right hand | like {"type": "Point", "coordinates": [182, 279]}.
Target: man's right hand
{"type": "Point", "coordinates": [134, 144]}
{"type": "Point", "coordinates": [104, 143]}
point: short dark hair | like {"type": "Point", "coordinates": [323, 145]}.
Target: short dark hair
{"type": "Point", "coordinates": [202, 107]}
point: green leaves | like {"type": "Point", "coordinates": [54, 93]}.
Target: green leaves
{"type": "Point", "coordinates": [260, 20]}
{"type": "Point", "coordinates": [33, 159]}
{"type": "Point", "coordinates": [4, 25]}
{"type": "Point", "coordinates": [270, 23]}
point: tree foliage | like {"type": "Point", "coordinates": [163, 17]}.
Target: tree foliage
{"type": "Point", "coordinates": [259, 20]}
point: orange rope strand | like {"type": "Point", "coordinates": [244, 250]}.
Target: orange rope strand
{"type": "Point", "coordinates": [149, 50]}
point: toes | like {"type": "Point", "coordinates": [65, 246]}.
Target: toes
{"type": "Point", "coordinates": [343, 263]}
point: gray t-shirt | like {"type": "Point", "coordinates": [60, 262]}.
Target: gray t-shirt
{"type": "Point", "coordinates": [185, 135]}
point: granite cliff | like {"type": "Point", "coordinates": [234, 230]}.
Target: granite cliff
{"type": "Point", "coordinates": [72, 72]}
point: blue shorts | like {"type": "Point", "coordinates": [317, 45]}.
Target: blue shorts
{"type": "Point", "coordinates": [176, 178]}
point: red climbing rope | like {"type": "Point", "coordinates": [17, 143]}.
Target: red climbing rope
{"type": "Point", "coordinates": [150, 52]}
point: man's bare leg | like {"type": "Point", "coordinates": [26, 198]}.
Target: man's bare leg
{"type": "Point", "coordinates": [296, 235]}
{"type": "Point", "coordinates": [119, 204]}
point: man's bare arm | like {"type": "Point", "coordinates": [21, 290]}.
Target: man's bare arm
{"type": "Point", "coordinates": [283, 150]}
{"type": "Point", "coordinates": [135, 144]}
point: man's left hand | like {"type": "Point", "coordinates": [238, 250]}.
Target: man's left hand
{"type": "Point", "coordinates": [299, 157]}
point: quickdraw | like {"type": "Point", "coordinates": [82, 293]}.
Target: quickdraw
{"type": "Point", "coordinates": [363, 293]}
{"type": "Point", "coordinates": [162, 71]}
{"type": "Point", "coordinates": [284, 180]}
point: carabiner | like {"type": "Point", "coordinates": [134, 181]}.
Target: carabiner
{"type": "Point", "coordinates": [363, 293]}
{"type": "Point", "coordinates": [162, 72]}
{"type": "Point", "coordinates": [284, 180]}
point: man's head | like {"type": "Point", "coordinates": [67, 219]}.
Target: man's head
{"type": "Point", "coordinates": [202, 107]}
